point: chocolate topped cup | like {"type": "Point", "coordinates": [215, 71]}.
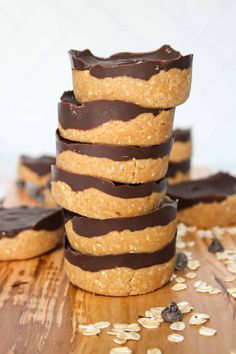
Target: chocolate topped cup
{"type": "Point", "coordinates": [100, 198]}
{"type": "Point", "coordinates": [206, 202]}
{"type": "Point", "coordinates": [180, 157]}
{"type": "Point", "coordinates": [160, 79]}
{"type": "Point", "coordinates": [121, 274]}
{"type": "Point", "coordinates": [143, 233]}
{"type": "Point", "coordinates": [113, 122]}
{"type": "Point", "coordinates": [124, 164]}
{"type": "Point", "coordinates": [26, 232]}
{"type": "Point", "coordinates": [35, 170]}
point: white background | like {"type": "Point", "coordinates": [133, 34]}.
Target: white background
{"type": "Point", "coordinates": [35, 68]}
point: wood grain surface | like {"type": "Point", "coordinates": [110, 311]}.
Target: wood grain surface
{"type": "Point", "coordinates": [40, 311]}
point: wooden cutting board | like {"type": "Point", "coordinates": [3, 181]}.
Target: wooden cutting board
{"type": "Point", "coordinates": [40, 311]}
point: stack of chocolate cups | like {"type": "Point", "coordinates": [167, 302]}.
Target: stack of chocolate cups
{"type": "Point", "coordinates": [113, 146]}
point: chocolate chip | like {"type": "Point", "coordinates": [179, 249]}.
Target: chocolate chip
{"type": "Point", "coordinates": [171, 313]}
{"type": "Point", "coordinates": [181, 261]}
{"type": "Point", "coordinates": [216, 246]}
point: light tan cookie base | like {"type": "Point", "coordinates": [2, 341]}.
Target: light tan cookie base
{"type": "Point", "coordinates": [131, 171]}
{"type": "Point", "coordinates": [145, 129]}
{"type": "Point", "coordinates": [181, 151]}
{"type": "Point", "coordinates": [149, 239]}
{"type": "Point", "coordinates": [207, 215]}
{"type": "Point", "coordinates": [27, 175]}
{"type": "Point", "coordinates": [96, 204]}
{"type": "Point", "coordinates": [29, 243]}
{"type": "Point", "coordinates": [179, 177]}
{"type": "Point", "coordinates": [165, 89]}
{"type": "Point", "coordinates": [121, 281]}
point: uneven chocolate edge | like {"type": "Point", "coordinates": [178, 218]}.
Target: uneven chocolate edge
{"type": "Point", "coordinates": [174, 168]}
{"type": "Point", "coordinates": [89, 115]}
{"type": "Point", "coordinates": [44, 219]}
{"type": "Point", "coordinates": [130, 260]}
{"type": "Point", "coordinates": [212, 189]}
{"type": "Point", "coordinates": [114, 152]}
{"type": "Point", "coordinates": [88, 227]}
{"type": "Point", "coordinates": [183, 135]}
{"type": "Point", "coordinates": [40, 165]}
{"type": "Point", "coordinates": [79, 183]}
{"type": "Point", "coordinates": [142, 69]}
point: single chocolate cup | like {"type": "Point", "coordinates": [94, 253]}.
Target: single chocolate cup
{"type": "Point", "coordinates": [206, 202]}
{"type": "Point", "coordinates": [158, 79]}
{"type": "Point", "coordinates": [27, 232]}
{"type": "Point", "coordinates": [123, 164]}
{"type": "Point", "coordinates": [101, 199]}
{"type": "Point", "coordinates": [122, 274]}
{"type": "Point", "coordinates": [143, 233]}
{"type": "Point", "coordinates": [35, 170]}
{"type": "Point", "coordinates": [113, 122]}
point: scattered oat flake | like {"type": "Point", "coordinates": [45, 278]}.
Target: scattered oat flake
{"type": "Point", "coordinates": [198, 319]}
{"type": "Point", "coordinates": [230, 278]}
{"type": "Point", "coordinates": [114, 331]}
{"type": "Point", "coordinates": [180, 244]}
{"type": "Point", "coordinates": [149, 322]}
{"type": "Point", "coordinates": [180, 280]}
{"type": "Point", "coordinates": [193, 264]}
{"type": "Point", "coordinates": [119, 340]}
{"type": "Point", "coordinates": [148, 314]}
{"type": "Point", "coordinates": [185, 307]}
{"type": "Point", "coordinates": [121, 350]}
{"type": "Point", "coordinates": [191, 275]}
{"type": "Point", "coordinates": [132, 336]}
{"type": "Point", "coordinates": [120, 325]}
{"type": "Point", "coordinates": [191, 243]}
{"type": "Point", "coordinates": [205, 233]}
{"type": "Point", "coordinates": [132, 327]}
{"type": "Point", "coordinates": [214, 291]}
{"type": "Point", "coordinates": [177, 326]}
{"type": "Point", "coordinates": [176, 338]}
{"type": "Point", "coordinates": [91, 331]}
{"type": "Point", "coordinates": [232, 267]}
{"type": "Point", "coordinates": [232, 292]}
{"type": "Point", "coordinates": [154, 351]}
{"type": "Point", "coordinates": [179, 287]}
{"type": "Point", "coordinates": [102, 325]}
{"type": "Point", "coordinates": [207, 331]}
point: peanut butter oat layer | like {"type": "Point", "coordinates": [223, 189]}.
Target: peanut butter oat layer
{"type": "Point", "coordinates": [182, 146]}
{"type": "Point", "coordinates": [179, 171]}
{"type": "Point", "coordinates": [122, 274]}
{"type": "Point", "coordinates": [113, 122]}
{"type": "Point", "coordinates": [124, 164]}
{"type": "Point", "coordinates": [206, 202]}
{"type": "Point", "coordinates": [144, 233]}
{"type": "Point", "coordinates": [35, 170]}
{"type": "Point", "coordinates": [26, 232]}
{"type": "Point", "coordinates": [160, 79]}
{"type": "Point", "coordinates": [100, 198]}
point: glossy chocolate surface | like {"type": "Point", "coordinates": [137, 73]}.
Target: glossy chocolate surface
{"type": "Point", "coordinates": [136, 65]}
{"type": "Point", "coordinates": [130, 260]}
{"type": "Point", "coordinates": [17, 219]}
{"type": "Point", "coordinates": [89, 227]}
{"type": "Point", "coordinates": [79, 183]}
{"type": "Point", "coordinates": [114, 152]}
{"type": "Point", "coordinates": [40, 165]}
{"type": "Point", "coordinates": [89, 115]}
{"type": "Point", "coordinates": [215, 188]}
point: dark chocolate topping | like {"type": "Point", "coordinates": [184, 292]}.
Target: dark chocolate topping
{"type": "Point", "coordinates": [17, 219]}
{"type": "Point", "coordinates": [136, 65]}
{"type": "Point", "coordinates": [129, 260]}
{"type": "Point", "coordinates": [115, 152]}
{"type": "Point", "coordinates": [182, 135]}
{"type": "Point", "coordinates": [40, 165]}
{"type": "Point", "coordinates": [175, 167]}
{"type": "Point", "coordinates": [89, 115]}
{"type": "Point", "coordinates": [215, 188]}
{"type": "Point", "coordinates": [79, 183]}
{"type": "Point", "coordinates": [89, 227]}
